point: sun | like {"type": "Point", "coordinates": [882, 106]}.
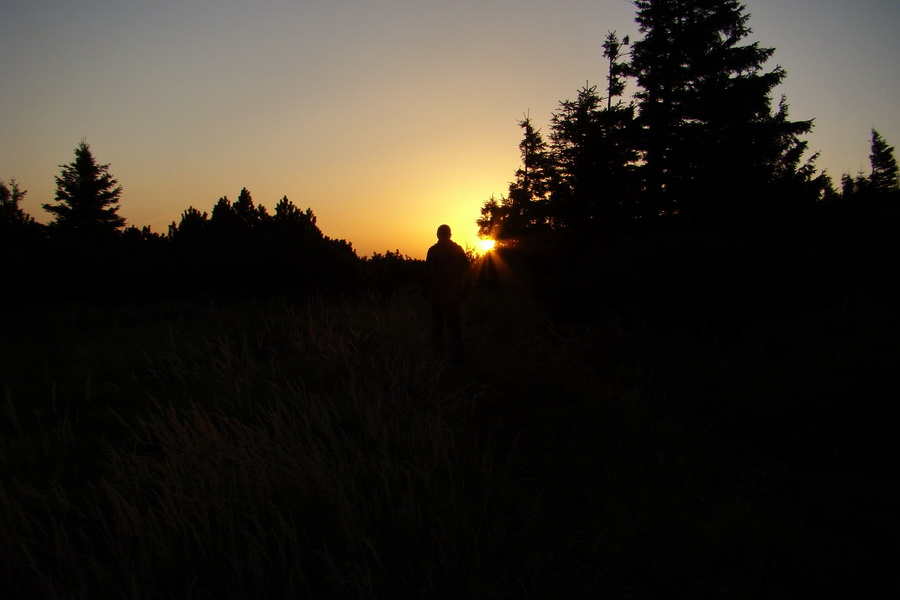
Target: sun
{"type": "Point", "coordinates": [486, 245]}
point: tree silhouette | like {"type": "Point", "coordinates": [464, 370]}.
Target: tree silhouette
{"type": "Point", "coordinates": [616, 69]}
{"type": "Point", "coordinates": [192, 226]}
{"type": "Point", "coordinates": [249, 214]}
{"type": "Point", "coordinates": [884, 177]}
{"type": "Point", "coordinates": [529, 192]}
{"type": "Point", "coordinates": [882, 181]}
{"type": "Point", "coordinates": [87, 197]}
{"type": "Point", "coordinates": [11, 214]}
{"type": "Point", "coordinates": [224, 219]}
{"type": "Point", "coordinates": [712, 146]}
{"type": "Point", "coordinates": [525, 210]}
{"type": "Point", "coordinates": [289, 220]}
{"type": "Point", "coordinates": [241, 248]}
{"type": "Point", "coordinates": [577, 134]}
{"type": "Point", "coordinates": [21, 245]}
{"type": "Point", "coordinates": [595, 152]}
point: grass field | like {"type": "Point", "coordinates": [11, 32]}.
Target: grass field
{"type": "Point", "coordinates": [313, 448]}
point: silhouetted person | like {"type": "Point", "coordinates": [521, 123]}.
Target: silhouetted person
{"type": "Point", "coordinates": [446, 285]}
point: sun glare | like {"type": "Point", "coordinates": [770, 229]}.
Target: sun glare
{"type": "Point", "coordinates": [486, 245]}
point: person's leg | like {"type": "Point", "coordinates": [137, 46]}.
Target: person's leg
{"type": "Point", "coordinates": [437, 325]}
{"type": "Point", "coordinates": [454, 325]}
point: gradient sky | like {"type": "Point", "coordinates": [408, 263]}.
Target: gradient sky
{"type": "Point", "coordinates": [386, 117]}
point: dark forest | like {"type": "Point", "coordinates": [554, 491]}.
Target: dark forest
{"type": "Point", "coordinates": [678, 379]}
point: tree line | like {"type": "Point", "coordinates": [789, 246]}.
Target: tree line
{"type": "Point", "coordinates": [87, 250]}
{"type": "Point", "coordinates": [695, 197]}
{"type": "Point", "coordinates": [699, 146]}
{"type": "Point", "coordinates": [700, 141]}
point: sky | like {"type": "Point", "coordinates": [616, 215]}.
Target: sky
{"type": "Point", "coordinates": [386, 117]}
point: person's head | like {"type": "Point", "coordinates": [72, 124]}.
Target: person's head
{"type": "Point", "coordinates": [443, 232]}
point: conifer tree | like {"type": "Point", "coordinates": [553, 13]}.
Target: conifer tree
{"type": "Point", "coordinates": [223, 212]}
{"type": "Point", "coordinates": [87, 197]}
{"type": "Point", "coordinates": [711, 143]}
{"type": "Point", "coordinates": [525, 209]}
{"type": "Point", "coordinates": [224, 221]}
{"type": "Point", "coordinates": [884, 177]}
{"type": "Point", "coordinates": [192, 226]}
{"type": "Point", "coordinates": [531, 188]}
{"type": "Point", "coordinates": [616, 69]}
{"type": "Point", "coordinates": [244, 209]}
{"type": "Point", "coordinates": [576, 135]}
{"type": "Point", "coordinates": [291, 220]}
{"type": "Point", "coordinates": [11, 214]}
{"type": "Point", "coordinates": [594, 151]}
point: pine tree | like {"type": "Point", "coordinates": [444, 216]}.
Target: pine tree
{"type": "Point", "coordinates": [576, 135]}
{"type": "Point", "coordinates": [87, 197]}
{"type": "Point", "coordinates": [192, 227]}
{"type": "Point", "coordinates": [525, 209]}
{"type": "Point", "coordinates": [290, 220]}
{"type": "Point", "coordinates": [712, 146]}
{"type": "Point", "coordinates": [884, 177]}
{"type": "Point", "coordinates": [616, 69]}
{"type": "Point", "coordinates": [881, 182]}
{"type": "Point", "coordinates": [245, 210]}
{"type": "Point", "coordinates": [11, 214]}
{"type": "Point", "coordinates": [594, 153]}
{"type": "Point", "coordinates": [528, 193]}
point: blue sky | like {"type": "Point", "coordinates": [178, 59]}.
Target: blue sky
{"type": "Point", "coordinates": [386, 117]}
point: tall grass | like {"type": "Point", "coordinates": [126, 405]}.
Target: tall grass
{"type": "Point", "coordinates": [321, 449]}
{"type": "Point", "coordinates": [298, 449]}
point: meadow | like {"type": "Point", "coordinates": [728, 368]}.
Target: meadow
{"type": "Point", "coordinates": [312, 447]}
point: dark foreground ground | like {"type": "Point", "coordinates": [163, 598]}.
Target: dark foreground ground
{"type": "Point", "coordinates": [295, 448]}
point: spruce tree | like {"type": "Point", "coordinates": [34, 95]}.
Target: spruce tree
{"type": "Point", "coordinates": [576, 135]}
{"type": "Point", "coordinates": [87, 197]}
{"type": "Point", "coordinates": [884, 177]}
{"type": "Point", "coordinates": [192, 227]}
{"type": "Point", "coordinates": [711, 145]}
{"type": "Point", "coordinates": [291, 220]}
{"type": "Point", "coordinates": [881, 182]}
{"type": "Point", "coordinates": [616, 69]}
{"type": "Point", "coordinates": [528, 193]}
{"type": "Point", "coordinates": [595, 152]}
{"type": "Point", "coordinates": [525, 209]}
{"type": "Point", "coordinates": [245, 210]}
{"type": "Point", "coordinates": [11, 214]}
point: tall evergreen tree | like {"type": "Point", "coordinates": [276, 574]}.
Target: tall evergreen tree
{"type": "Point", "coordinates": [530, 191]}
{"type": "Point", "coordinates": [87, 197]}
{"type": "Point", "coordinates": [616, 69]}
{"type": "Point", "coordinates": [11, 214]}
{"type": "Point", "coordinates": [525, 209]}
{"type": "Point", "coordinates": [291, 221]}
{"type": "Point", "coordinates": [594, 152]}
{"type": "Point", "coordinates": [711, 144]}
{"type": "Point", "coordinates": [192, 227]}
{"type": "Point", "coordinates": [881, 182]}
{"type": "Point", "coordinates": [224, 221]}
{"type": "Point", "coordinates": [884, 177]}
{"type": "Point", "coordinates": [621, 138]}
{"type": "Point", "coordinates": [576, 136]}
{"type": "Point", "coordinates": [246, 212]}
{"type": "Point", "coordinates": [850, 186]}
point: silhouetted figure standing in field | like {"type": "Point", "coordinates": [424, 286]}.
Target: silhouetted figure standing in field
{"type": "Point", "coordinates": [446, 284]}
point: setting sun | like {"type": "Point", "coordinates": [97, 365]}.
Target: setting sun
{"type": "Point", "coordinates": [486, 245]}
